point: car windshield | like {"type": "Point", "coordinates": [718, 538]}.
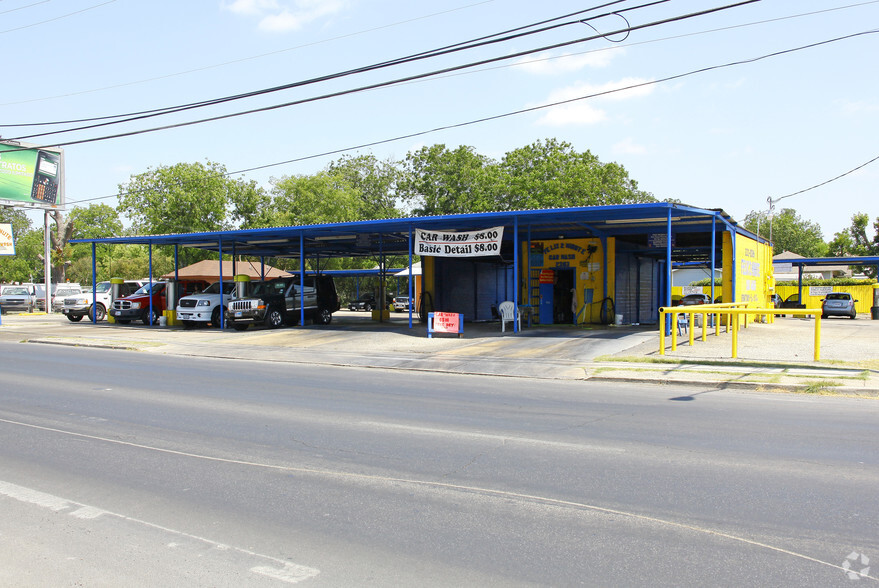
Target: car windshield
{"type": "Point", "coordinates": [839, 296]}
{"type": "Point", "coordinates": [14, 292]}
{"type": "Point", "coordinates": [793, 298]}
{"type": "Point", "coordinates": [145, 289]}
{"type": "Point", "coordinates": [101, 287]}
{"type": "Point", "coordinates": [228, 288]}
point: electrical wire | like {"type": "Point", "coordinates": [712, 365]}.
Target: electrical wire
{"type": "Point", "coordinates": [503, 36]}
{"type": "Point", "coordinates": [396, 81]}
{"type": "Point", "coordinates": [534, 109]}
{"type": "Point", "coordinates": [63, 16]}
{"type": "Point", "coordinates": [244, 59]}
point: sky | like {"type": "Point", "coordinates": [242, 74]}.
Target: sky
{"type": "Point", "coordinates": [670, 101]}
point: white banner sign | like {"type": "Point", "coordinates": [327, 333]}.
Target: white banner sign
{"type": "Point", "coordinates": [453, 244]}
{"type": "Point", "coordinates": [7, 244]}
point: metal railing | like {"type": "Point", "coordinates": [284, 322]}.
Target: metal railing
{"type": "Point", "coordinates": [719, 315]}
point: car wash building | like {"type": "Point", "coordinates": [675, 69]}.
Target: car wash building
{"type": "Point", "coordinates": [598, 264]}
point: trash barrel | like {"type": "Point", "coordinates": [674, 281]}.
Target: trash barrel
{"type": "Point", "coordinates": [874, 313]}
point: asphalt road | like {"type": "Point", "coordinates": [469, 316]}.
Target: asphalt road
{"type": "Point", "coordinates": [125, 468]}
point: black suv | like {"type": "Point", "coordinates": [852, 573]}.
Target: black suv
{"type": "Point", "coordinates": [280, 301]}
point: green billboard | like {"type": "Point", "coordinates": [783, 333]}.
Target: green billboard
{"type": "Point", "coordinates": [31, 176]}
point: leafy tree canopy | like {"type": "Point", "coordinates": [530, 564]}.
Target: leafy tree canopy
{"type": "Point", "coordinates": [788, 232]}
{"type": "Point", "coordinates": [855, 241]}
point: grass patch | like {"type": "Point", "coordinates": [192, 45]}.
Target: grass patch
{"type": "Point", "coordinates": [820, 386]}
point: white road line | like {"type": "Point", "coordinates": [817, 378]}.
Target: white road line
{"type": "Point", "coordinates": [287, 572]}
{"type": "Point", "coordinates": [447, 433]}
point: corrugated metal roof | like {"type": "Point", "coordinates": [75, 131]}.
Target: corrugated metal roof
{"type": "Point", "coordinates": [391, 236]}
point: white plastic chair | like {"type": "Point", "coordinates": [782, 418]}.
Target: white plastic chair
{"type": "Point", "coordinates": [509, 312]}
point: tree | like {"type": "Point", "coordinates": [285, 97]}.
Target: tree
{"type": "Point", "coordinates": [789, 232]}
{"type": "Point", "coordinates": [190, 197]}
{"type": "Point", "coordinates": [551, 174]}
{"type": "Point", "coordinates": [437, 180]}
{"type": "Point", "coordinates": [375, 182]}
{"type": "Point", "coordinates": [855, 241]}
{"type": "Point", "coordinates": [312, 200]}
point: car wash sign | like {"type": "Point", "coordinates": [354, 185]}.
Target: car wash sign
{"type": "Point", "coordinates": [459, 244]}
{"type": "Point", "coordinates": [7, 242]}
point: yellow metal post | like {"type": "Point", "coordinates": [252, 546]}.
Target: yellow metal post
{"type": "Point", "coordinates": [735, 337]}
{"type": "Point", "coordinates": [662, 327]}
{"type": "Point", "coordinates": [817, 337]}
{"type": "Point", "coordinates": [674, 331]}
{"type": "Point", "coordinates": [704, 326]}
{"type": "Point", "coordinates": [690, 325]}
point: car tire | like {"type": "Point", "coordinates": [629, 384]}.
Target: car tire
{"type": "Point", "coordinates": [216, 321]}
{"type": "Point", "coordinates": [146, 317]}
{"type": "Point", "coordinates": [100, 311]}
{"type": "Point", "coordinates": [368, 308]}
{"type": "Point", "coordinates": [74, 318]}
{"type": "Point", "coordinates": [274, 317]}
{"type": "Point", "coordinates": [324, 316]}
{"type": "Point", "coordinates": [824, 316]}
{"type": "Point", "coordinates": [854, 315]}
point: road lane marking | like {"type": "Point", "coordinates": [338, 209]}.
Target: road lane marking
{"type": "Point", "coordinates": [431, 484]}
{"type": "Point", "coordinates": [446, 433]}
{"type": "Point", "coordinates": [287, 572]}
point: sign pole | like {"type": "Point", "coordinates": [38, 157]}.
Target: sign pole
{"type": "Point", "coordinates": [47, 260]}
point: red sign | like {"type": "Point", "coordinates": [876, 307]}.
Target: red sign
{"type": "Point", "coordinates": [547, 276]}
{"type": "Point", "coordinates": [446, 322]}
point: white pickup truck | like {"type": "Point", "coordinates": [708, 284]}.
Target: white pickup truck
{"type": "Point", "coordinates": [80, 305]}
{"type": "Point", "coordinates": [205, 306]}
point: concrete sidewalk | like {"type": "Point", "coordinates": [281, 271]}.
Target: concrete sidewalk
{"type": "Point", "coordinates": [774, 357]}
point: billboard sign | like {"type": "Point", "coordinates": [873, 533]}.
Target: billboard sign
{"type": "Point", "coordinates": [7, 242]}
{"type": "Point", "coordinates": [459, 244]}
{"type": "Point", "coordinates": [31, 176]}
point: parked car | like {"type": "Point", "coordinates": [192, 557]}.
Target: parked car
{"type": "Point", "coordinates": [838, 304]}
{"type": "Point", "coordinates": [136, 306]}
{"type": "Point", "coordinates": [205, 306]}
{"type": "Point", "coordinates": [792, 301]}
{"type": "Point", "coordinates": [19, 297]}
{"type": "Point", "coordinates": [62, 291]}
{"type": "Point", "coordinates": [401, 303]}
{"type": "Point", "coordinates": [366, 303]}
{"type": "Point", "coordinates": [691, 299]}
{"type": "Point", "coordinates": [76, 307]}
{"type": "Point", "coordinates": [281, 302]}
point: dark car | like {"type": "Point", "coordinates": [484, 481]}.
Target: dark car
{"type": "Point", "coordinates": [838, 304]}
{"type": "Point", "coordinates": [281, 301]}
{"type": "Point", "coordinates": [366, 303]}
{"type": "Point", "coordinates": [693, 299]}
{"type": "Point", "coordinates": [792, 301]}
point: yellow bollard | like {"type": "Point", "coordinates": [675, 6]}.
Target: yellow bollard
{"type": "Point", "coordinates": [662, 327]}
{"type": "Point", "coordinates": [704, 326]}
{"type": "Point", "coordinates": [817, 336]}
{"type": "Point", "coordinates": [690, 325]}
{"type": "Point", "coordinates": [735, 338]}
{"type": "Point", "coordinates": [674, 331]}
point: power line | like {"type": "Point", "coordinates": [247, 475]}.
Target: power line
{"type": "Point", "coordinates": [69, 14]}
{"type": "Point", "coordinates": [535, 109]}
{"type": "Point", "coordinates": [772, 201]}
{"type": "Point", "coordinates": [454, 48]}
{"type": "Point", "coordinates": [406, 79]}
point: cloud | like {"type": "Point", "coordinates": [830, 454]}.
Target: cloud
{"type": "Point", "coordinates": [549, 64]}
{"type": "Point", "coordinates": [628, 147]}
{"type": "Point", "coordinates": [584, 112]}
{"type": "Point", "coordinates": [280, 16]}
